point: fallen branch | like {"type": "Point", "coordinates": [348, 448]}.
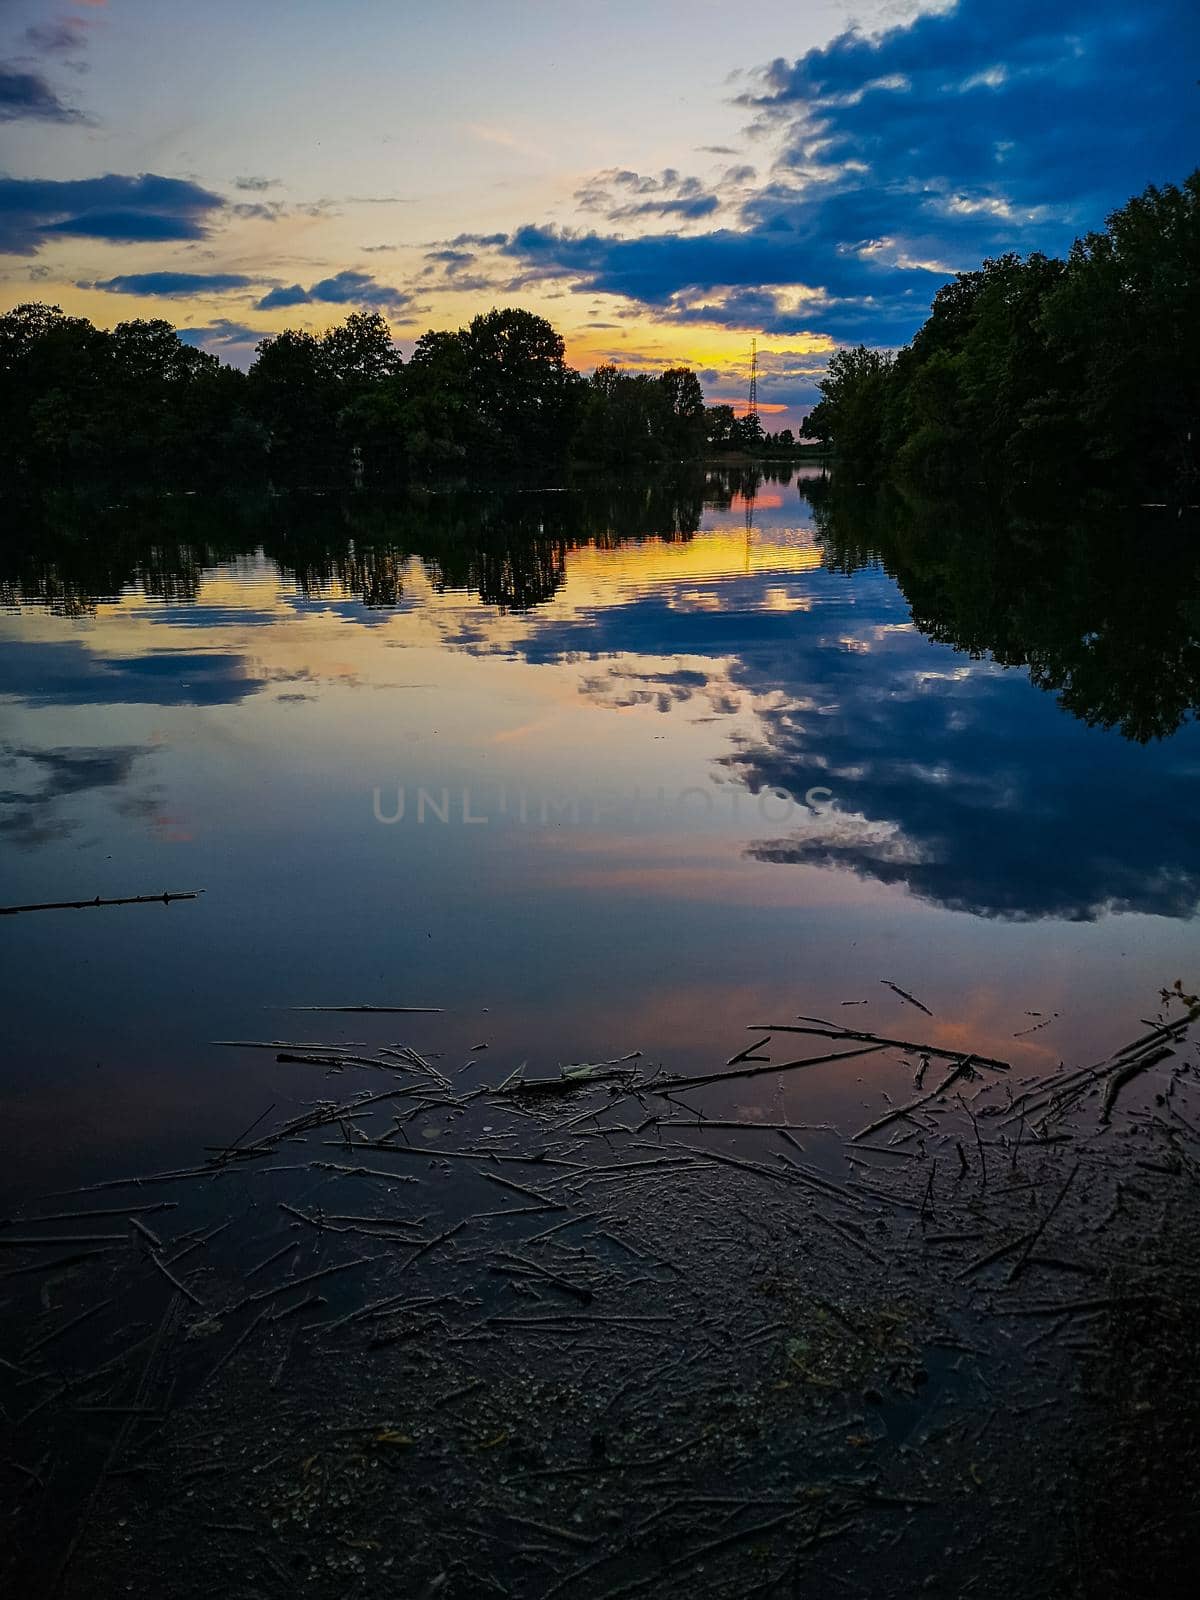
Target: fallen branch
{"type": "Point", "coordinates": [904, 995]}
{"type": "Point", "coordinates": [1131, 1069]}
{"type": "Point", "coordinates": [915, 1105]}
{"type": "Point", "coordinates": [85, 905]}
{"type": "Point", "coordinates": [671, 1085]}
{"type": "Point", "coordinates": [830, 1032]}
{"type": "Point", "coordinates": [1019, 1264]}
{"type": "Point", "coordinates": [405, 1011]}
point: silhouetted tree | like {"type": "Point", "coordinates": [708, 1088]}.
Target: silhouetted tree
{"type": "Point", "coordinates": [1038, 373]}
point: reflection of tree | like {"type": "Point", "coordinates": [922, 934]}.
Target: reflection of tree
{"type": "Point", "coordinates": [1102, 610]}
{"type": "Point", "coordinates": [959, 782]}
{"type": "Point", "coordinates": [509, 547]}
{"type": "Point", "coordinates": [67, 552]}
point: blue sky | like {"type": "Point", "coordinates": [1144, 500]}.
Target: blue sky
{"type": "Point", "coordinates": [664, 180]}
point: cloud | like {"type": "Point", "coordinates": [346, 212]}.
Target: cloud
{"type": "Point", "coordinates": [1086, 100]}
{"type": "Point", "coordinates": [256, 185]}
{"type": "Point", "coordinates": [344, 288]}
{"type": "Point", "coordinates": [26, 96]}
{"type": "Point", "coordinates": [223, 331]}
{"type": "Point", "coordinates": [167, 284]}
{"type": "Point", "coordinates": [234, 342]}
{"type": "Point", "coordinates": [58, 36]}
{"type": "Point", "coordinates": [900, 159]}
{"type": "Point", "coordinates": [738, 279]}
{"type": "Point", "coordinates": [622, 194]}
{"type": "Point", "coordinates": [113, 207]}
{"type": "Point", "coordinates": [451, 260]}
{"type": "Point", "coordinates": [701, 205]}
{"type": "Point", "coordinates": [267, 210]}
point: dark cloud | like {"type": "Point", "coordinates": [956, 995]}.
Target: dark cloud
{"type": "Point", "coordinates": [114, 207]}
{"type": "Point", "coordinates": [223, 332]}
{"type": "Point", "coordinates": [701, 205]}
{"type": "Point", "coordinates": [344, 288]}
{"type": "Point", "coordinates": [742, 279]}
{"type": "Point", "coordinates": [26, 96]}
{"type": "Point", "coordinates": [622, 194]}
{"type": "Point", "coordinates": [1017, 102]}
{"type": "Point", "coordinates": [234, 342]}
{"type": "Point", "coordinates": [256, 185]}
{"type": "Point", "coordinates": [171, 283]}
{"type": "Point", "coordinates": [903, 158]}
{"type": "Point", "coordinates": [451, 260]}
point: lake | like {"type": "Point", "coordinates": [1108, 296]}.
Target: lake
{"type": "Point", "coordinates": [624, 767]}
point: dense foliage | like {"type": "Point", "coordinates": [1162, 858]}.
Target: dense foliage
{"type": "Point", "coordinates": [1039, 372]}
{"type": "Point", "coordinates": [139, 404]}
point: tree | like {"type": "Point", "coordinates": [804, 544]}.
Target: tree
{"type": "Point", "coordinates": [684, 401]}
{"type": "Point", "coordinates": [718, 427]}
{"type": "Point", "coordinates": [1123, 328]}
{"type": "Point", "coordinates": [293, 398]}
{"type": "Point", "coordinates": [747, 432]}
{"type": "Point", "coordinates": [519, 384]}
{"type": "Point", "coordinates": [360, 352]}
{"type": "Point", "coordinates": [853, 402]}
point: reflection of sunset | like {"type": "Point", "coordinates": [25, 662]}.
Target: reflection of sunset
{"type": "Point", "coordinates": [634, 747]}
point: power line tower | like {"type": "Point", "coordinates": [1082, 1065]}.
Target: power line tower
{"type": "Point", "coordinates": [753, 408]}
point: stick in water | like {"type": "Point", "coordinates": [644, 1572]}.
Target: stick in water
{"type": "Point", "coordinates": [163, 899]}
{"type": "Point", "coordinates": [392, 1010]}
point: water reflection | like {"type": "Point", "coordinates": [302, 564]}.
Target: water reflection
{"type": "Point", "coordinates": [1102, 607]}
{"type": "Point", "coordinates": [999, 723]}
{"type": "Point", "coordinates": [30, 811]}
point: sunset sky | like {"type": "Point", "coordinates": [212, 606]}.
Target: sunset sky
{"type": "Point", "coordinates": [663, 179]}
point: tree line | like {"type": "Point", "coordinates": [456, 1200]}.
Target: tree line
{"type": "Point", "coordinates": [139, 404]}
{"type": "Point", "coordinates": [1042, 373]}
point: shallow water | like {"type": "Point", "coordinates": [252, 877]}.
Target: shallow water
{"type": "Point", "coordinates": [596, 771]}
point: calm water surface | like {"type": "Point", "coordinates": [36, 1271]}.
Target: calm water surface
{"type": "Point", "coordinates": [595, 772]}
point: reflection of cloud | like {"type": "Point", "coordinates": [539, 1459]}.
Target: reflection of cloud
{"type": "Point", "coordinates": [622, 687]}
{"type": "Point", "coordinates": [970, 789]}
{"type": "Point", "coordinates": [30, 816]}
{"type": "Point", "coordinates": [957, 779]}
{"type": "Point", "coordinates": [68, 673]}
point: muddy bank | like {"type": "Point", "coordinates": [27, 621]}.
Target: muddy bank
{"type": "Point", "coordinates": [617, 1334]}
